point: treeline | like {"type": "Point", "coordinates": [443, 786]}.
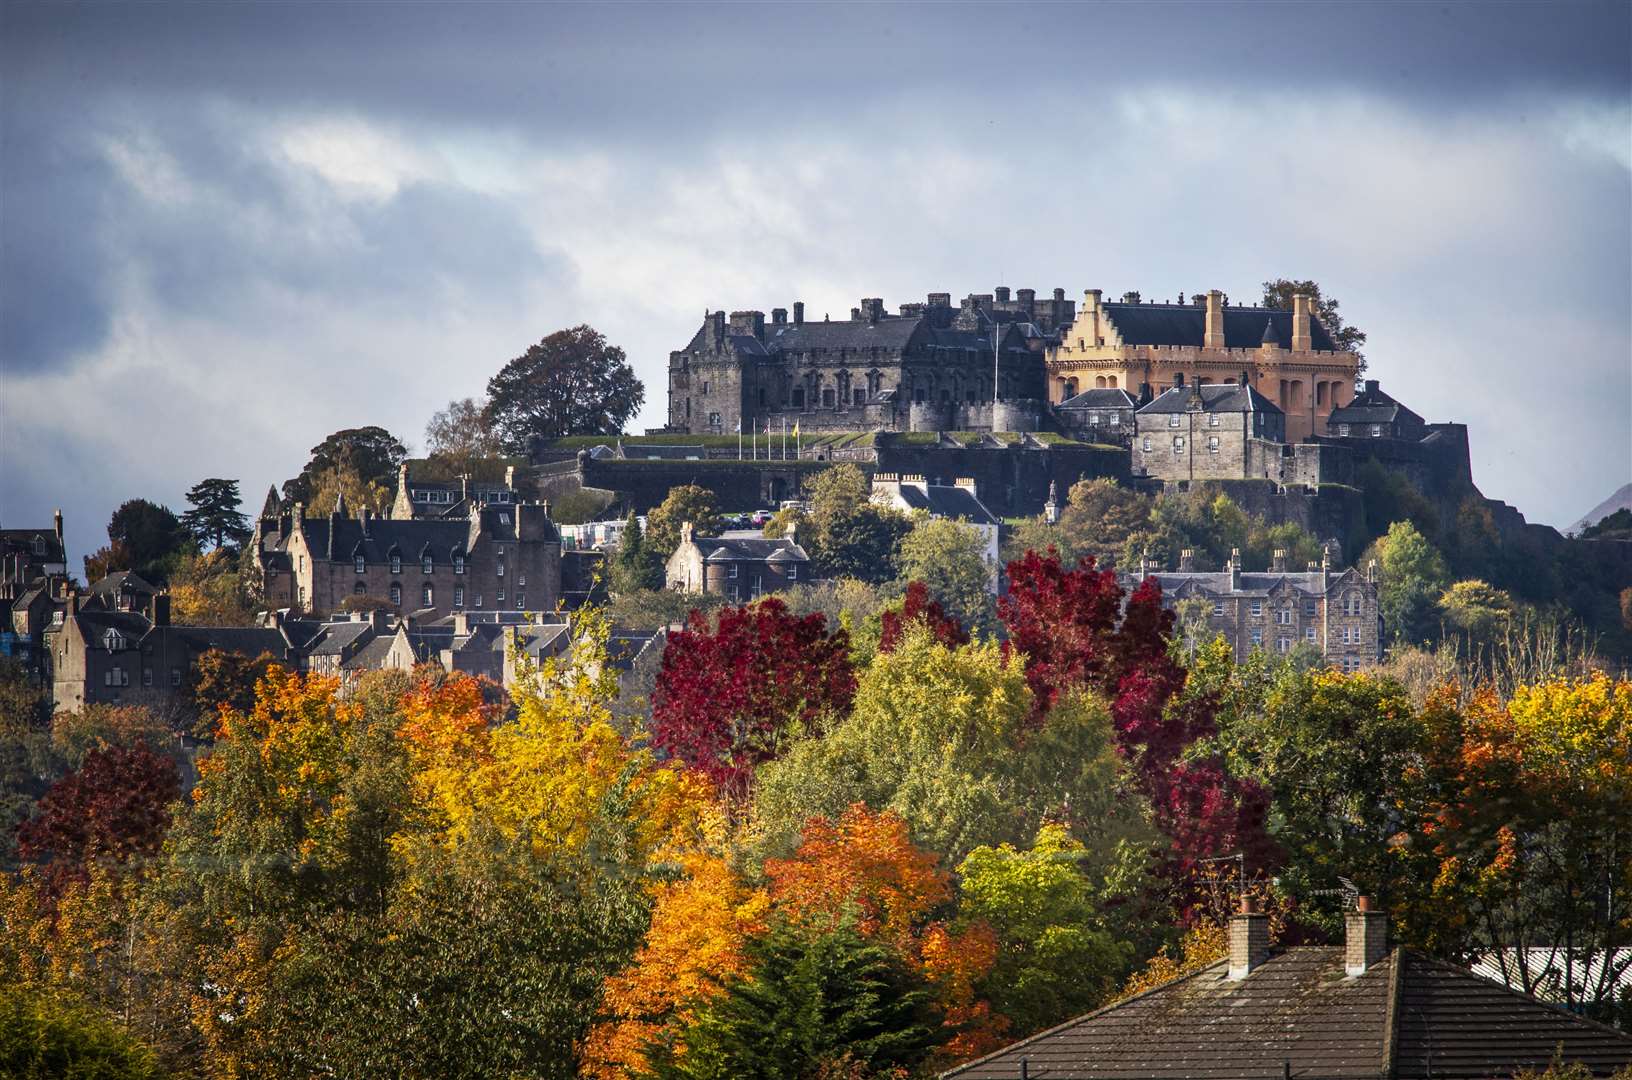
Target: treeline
{"type": "Point", "coordinates": [812, 853]}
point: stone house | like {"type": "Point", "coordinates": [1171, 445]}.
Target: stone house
{"type": "Point", "coordinates": [1334, 612]}
{"type": "Point", "coordinates": [29, 554]}
{"type": "Point", "coordinates": [928, 367]}
{"type": "Point", "coordinates": [497, 557]}
{"type": "Point", "coordinates": [1288, 356]}
{"type": "Point", "coordinates": [1211, 431]}
{"type": "Point", "coordinates": [957, 501]}
{"type": "Point", "coordinates": [1373, 414]}
{"type": "Point", "coordinates": [739, 567]}
{"type": "Point", "coordinates": [1102, 415]}
{"type": "Point", "coordinates": [1340, 1012]}
{"type": "Point", "coordinates": [423, 498]}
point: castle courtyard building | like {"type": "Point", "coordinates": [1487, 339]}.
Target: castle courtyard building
{"type": "Point", "coordinates": [1216, 431]}
{"type": "Point", "coordinates": [1288, 356]}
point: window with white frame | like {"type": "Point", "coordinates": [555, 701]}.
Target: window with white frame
{"type": "Point", "coordinates": [458, 596]}
{"type": "Point", "coordinates": [147, 676]}
{"type": "Point", "coordinates": [1116, 419]}
{"type": "Point", "coordinates": [427, 597]}
{"type": "Point", "coordinates": [1218, 609]}
{"type": "Point", "coordinates": [1173, 420]}
{"type": "Point", "coordinates": [396, 594]}
{"type": "Point", "coordinates": [426, 566]}
{"type": "Point", "coordinates": [459, 562]}
{"type": "Point", "coordinates": [478, 600]}
{"type": "Point", "coordinates": [1284, 645]}
{"type": "Point", "coordinates": [359, 564]}
{"type": "Point", "coordinates": [1308, 609]}
{"type": "Point", "coordinates": [501, 595]}
{"type": "Point", "coordinates": [1212, 419]}
{"type": "Point", "coordinates": [1212, 444]}
{"type": "Point", "coordinates": [499, 568]}
{"type": "Point", "coordinates": [793, 572]}
{"type": "Point", "coordinates": [1309, 634]}
{"type": "Point", "coordinates": [731, 571]}
{"type": "Point", "coordinates": [396, 563]}
{"type": "Point", "coordinates": [521, 581]}
{"type": "Point", "coordinates": [1257, 637]}
{"type": "Point", "coordinates": [1145, 444]}
{"type": "Point", "coordinates": [1093, 419]}
{"type": "Point", "coordinates": [1342, 429]}
{"type": "Point", "coordinates": [1257, 609]}
{"type": "Point", "coordinates": [1178, 445]}
{"type": "Point", "coordinates": [1376, 431]}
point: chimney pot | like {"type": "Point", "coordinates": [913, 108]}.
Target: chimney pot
{"type": "Point", "coordinates": [798, 312]}
{"type": "Point", "coordinates": [1249, 939]}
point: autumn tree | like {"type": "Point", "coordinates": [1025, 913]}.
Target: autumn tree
{"type": "Point", "coordinates": [944, 738]}
{"type": "Point", "coordinates": [731, 697]}
{"type": "Point", "coordinates": [1278, 294]}
{"type": "Point", "coordinates": [461, 433]}
{"type": "Point", "coordinates": [949, 557]}
{"type": "Point", "coordinates": [224, 680]}
{"type": "Point", "coordinates": [572, 383]}
{"type": "Point", "coordinates": [44, 1036]}
{"type": "Point", "coordinates": [684, 502]}
{"type": "Point", "coordinates": [367, 457]}
{"type": "Point", "coordinates": [1098, 518]}
{"type": "Point", "coordinates": [114, 806]}
{"type": "Point", "coordinates": [214, 517]}
{"type": "Point", "coordinates": [916, 606]}
{"type": "Point", "coordinates": [207, 590]}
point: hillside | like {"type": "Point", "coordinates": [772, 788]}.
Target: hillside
{"type": "Point", "coordinates": [1621, 500]}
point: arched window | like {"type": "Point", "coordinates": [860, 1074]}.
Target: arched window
{"type": "Point", "coordinates": [1099, 382]}
{"type": "Point", "coordinates": [359, 589]}
{"type": "Point", "coordinates": [396, 594]}
{"type": "Point", "coordinates": [1111, 382]}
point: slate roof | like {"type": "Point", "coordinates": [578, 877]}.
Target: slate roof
{"type": "Point", "coordinates": [725, 548]}
{"type": "Point", "coordinates": [1373, 406]}
{"type": "Point", "coordinates": [342, 537]}
{"type": "Point", "coordinates": [93, 622]}
{"type": "Point", "coordinates": [891, 333]}
{"type": "Point", "coordinates": [1217, 583]}
{"type": "Point", "coordinates": [624, 647]}
{"type": "Point", "coordinates": [336, 637]}
{"type": "Point", "coordinates": [1099, 398]}
{"type": "Point", "coordinates": [111, 584]}
{"type": "Point", "coordinates": [947, 501]}
{"type": "Point", "coordinates": [371, 656]}
{"type": "Point", "coordinates": [1215, 397]}
{"type": "Point", "coordinates": [246, 640]}
{"type": "Point", "coordinates": [24, 538]}
{"type": "Point", "coordinates": [1186, 325]}
{"type": "Point", "coordinates": [1298, 1014]}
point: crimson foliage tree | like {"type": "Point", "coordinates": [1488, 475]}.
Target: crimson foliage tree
{"type": "Point", "coordinates": [1074, 631]}
{"type": "Point", "coordinates": [918, 607]}
{"type": "Point", "coordinates": [114, 806]}
{"type": "Point", "coordinates": [726, 700]}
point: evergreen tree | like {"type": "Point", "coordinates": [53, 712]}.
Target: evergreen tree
{"type": "Point", "coordinates": [215, 517]}
{"type": "Point", "coordinates": [631, 568]}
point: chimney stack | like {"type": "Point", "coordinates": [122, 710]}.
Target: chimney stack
{"type": "Point", "coordinates": [1249, 940]}
{"type": "Point", "coordinates": [1301, 339]}
{"type": "Point", "coordinates": [1277, 562]}
{"type": "Point", "coordinates": [56, 519]}
{"type": "Point", "coordinates": [1001, 293]}
{"type": "Point", "coordinates": [161, 609]}
{"type": "Point", "coordinates": [461, 624]}
{"type": "Point", "coordinates": [1214, 336]}
{"type": "Point", "coordinates": [1365, 937]}
{"type": "Point", "coordinates": [798, 313]}
{"type": "Point", "coordinates": [1187, 561]}
{"type": "Point", "coordinates": [1235, 569]}
{"type": "Point", "coordinates": [685, 532]}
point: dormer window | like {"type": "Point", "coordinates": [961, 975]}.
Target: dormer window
{"type": "Point", "coordinates": [396, 563]}
{"type": "Point", "coordinates": [359, 564]}
{"type": "Point", "coordinates": [39, 546]}
{"type": "Point", "coordinates": [504, 519]}
{"type": "Point", "coordinates": [113, 641]}
{"type": "Point", "coordinates": [422, 496]}
{"type": "Point", "coordinates": [425, 565]}
{"type": "Point", "coordinates": [458, 562]}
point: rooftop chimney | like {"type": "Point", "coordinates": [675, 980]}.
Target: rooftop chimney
{"type": "Point", "coordinates": [779, 316]}
{"type": "Point", "coordinates": [1277, 561]}
{"type": "Point", "coordinates": [56, 519]}
{"type": "Point", "coordinates": [873, 308]}
{"type": "Point", "coordinates": [798, 313]}
{"type": "Point", "coordinates": [1301, 340]}
{"type": "Point", "coordinates": [161, 609]}
{"type": "Point", "coordinates": [1249, 939]}
{"type": "Point", "coordinates": [1187, 561]}
{"type": "Point", "coordinates": [1214, 336]}
{"type": "Point", "coordinates": [685, 532]}
{"type": "Point", "coordinates": [1235, 569]}
{"type": "Point", "coordinates": [1002, 294]}
{"type": "Point", "coordinates": [461, 624]}
{"type": "Point", "coordinates": [1365, 937]}
{"type": "Point", "coordinates": [1371, 386]}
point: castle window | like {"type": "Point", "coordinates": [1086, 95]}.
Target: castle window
{"type": "Point", "coordinates": [714, 419]}
{"type": "Point", "coordinates": [396, 563]}
{"type": "Point", "coordinates": [797, 398]}
{"type": "Point", "coordinates": [859, 396]}
{"type": "Point", "coordinates": [396, 594]}
{"type": "Point", "coordinates": [359, 565]}
{"type": "Point", "coordinates": [458, 596]}
{"type": "Point", "coordinates": [425, 566]}
{"type": "Point", "coordinates": [827, 398]}
{"type": "Point", "coordinates": [458, 563]}
{"type": "Point", "coordinates": [1212, 444]}
{"type": "Point", "coordinates": [358, 589]}
{"type": "Point", "coordinates": [427, 597]}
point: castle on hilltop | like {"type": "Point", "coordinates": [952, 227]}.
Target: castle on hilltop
{"type": "Point", "coordinates": [932, 366]}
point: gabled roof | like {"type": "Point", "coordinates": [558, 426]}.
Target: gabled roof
{"type": "Point", "coordinates": [112, 584]}
{"type": "Point", "coordinates": [371, 656]}
{"type": "Point", "coordinates": [245, 640]}
{"type": "Point", "coordinates": [1373, 406]}
{"type": "Point", "coordinates": [1186, 325]}
{"type": "Point", "coordinates": [947, 501]}
{"type": "Point", "coordinates": [1217, 582]}
{"type": "Point", "coordinates": [336, 637]}
{"type": "Point", "coordinates": [26, 537]}
{"type": "Point", "coordinates": [1099, 398]}
{"type": "Point", "coordinates": [1215, 397]}
{"type": "Point", "coordinates": [1298, 1013]}
{"type": "Point", "coordinates": [739, 548]}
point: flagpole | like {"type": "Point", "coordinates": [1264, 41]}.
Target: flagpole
{"type": "Point", "coordinates": [784, 438]}
{"type": "Point", "coordinates": [739, 438]}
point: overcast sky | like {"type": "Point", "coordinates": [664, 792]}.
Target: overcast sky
{"type": "Point", "coordinates": [227, 230]}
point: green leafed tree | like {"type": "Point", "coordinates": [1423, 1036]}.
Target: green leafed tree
{"type": "Point", "coordinates": [1279, 294]}
{"type": "Point", "coordinates": [630, 568]}
{"type": "Point", "coordinates": [47, 1037]}
{"type": "Point", "coordinates": [949, 557]}
{"type": "Point", "coordinates": [152, 537]}
{"type": "Point", "coordinates": [1058, 955]}
{"type": "Point", "coordinates": [1413, 575]}
{"type": "Point", "coordinates": [815, 1003]}
{"type": "Point", "coordinates": [214, 518]}
{"type": "Point", "coordinates": [687, 502]}
{"type": "Point", "coordinates": [461, 432]}
{"type": "Point", "coordinates": [572, 383]}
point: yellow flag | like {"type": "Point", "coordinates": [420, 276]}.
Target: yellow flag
{"type": "Point", "coordinates": [796, 429]}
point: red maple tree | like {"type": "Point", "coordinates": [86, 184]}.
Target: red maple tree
{"type": "Point", "coordinates": [114, 806]}
{"type": "Point", "coordinates": [918, 607]}
{"type": "Point", "coordinates": [726, 699]}
{"type": "Point", "coordinates": [1074, 630]}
